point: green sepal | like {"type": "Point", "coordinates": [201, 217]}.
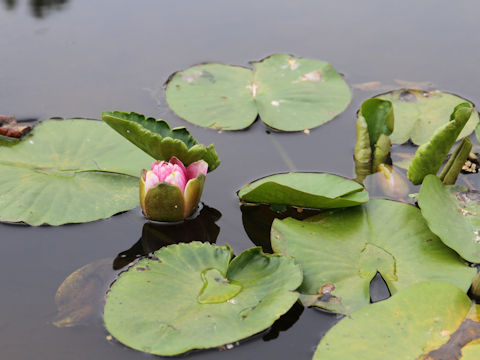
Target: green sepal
{"type": "Point", "coordinates": [430, 156]}
{"type": "Point", "coordinates": [193, 193]}
{"type": "Point", "coordinates": [164, 202]}
{"type": "Point", "coordinates": [159, 141]}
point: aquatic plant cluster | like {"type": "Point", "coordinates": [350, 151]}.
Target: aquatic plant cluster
{"type": "Point", "coordinates": [327, 237]}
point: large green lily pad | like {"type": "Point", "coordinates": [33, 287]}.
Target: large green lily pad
{"type": "Point", "coordinates": [419, 113]}
{"type": "Point", "coordinates": [341, 251]}
{"type": "Point", "coordinates": [430, 156]}
{"type": "Point", "coordinates": [69, 171]}
{"type": "Point", "coordinates": [310, 190]}
{"type": "Point", "coordinates": [195, 297]}
{"type": "Point", "coordinates": [159, 141]}
{"type": "Point", "coordinates": [427, 321]}
{"type": "Point", "coordinates": [452, 213]}
{"type": "Point", "coordinates": [288, 93]}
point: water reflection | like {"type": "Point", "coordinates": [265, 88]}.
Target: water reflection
{"type": "Point", "coordinates": [257, 221]}
{"type": "Point", "coordinates": [157, 235]}
{"type": "Point", "coordinates": [39, 8]}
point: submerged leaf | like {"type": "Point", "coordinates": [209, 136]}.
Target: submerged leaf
{"type": "Point", "coordinates": [453, 214]}
{"type": "Point", "coordinates": [195, 297]}
{"type": "Point", "coordinates": [426, 321]}
{"type": "Point", "coordinates": [80, 297]}
{"type": "Point", "coordinates": [159, 141]}
{"type": "Point", "coordinates": [69, 171]}
{"type": "Point", "coordinates": [387, 181]}
{"type": "Point", "coordinates": [430, 156]}
{"type": "Point", "coordinates": [340, 252]}
{"type": "Point", "coordinates": [289, 93]}
{"type": "Point", "coordinates": [310, 190]}
{"type": "Point", "coordinates": [419, 113]}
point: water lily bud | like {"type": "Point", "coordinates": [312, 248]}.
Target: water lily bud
{"type": "Point", "coordinates": [171, 192]}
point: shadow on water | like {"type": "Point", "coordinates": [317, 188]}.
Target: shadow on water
{"type": "Point", "coordinates": [39, 8]}
{"type": "Point", "coordinates": [157, 235]}
{"type": "Point", "coordinates": [285, 322]}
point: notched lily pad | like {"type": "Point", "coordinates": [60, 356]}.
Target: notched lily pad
{"type": "Point", "coordinates": [341, 251]}
{"type": "Point", "coordinates": [426, 321]}
{"type": "Point", "coordinates": [309, 190]}
{"type": "Point", "coordinates": [453, 214]}
{"type": "Point", "coordinates": [288, 93]}
{"type": "Point", "coordinates": [419, 113]}
{"type": "Point", "coordinates": [195, 297]}
{"type": "Point", "coordinates": [69, 171]}
{"type": "Point", "coordinates": [159, 141]}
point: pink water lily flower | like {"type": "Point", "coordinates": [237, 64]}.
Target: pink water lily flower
{"type": "Point", "coordinates": [171, 192]}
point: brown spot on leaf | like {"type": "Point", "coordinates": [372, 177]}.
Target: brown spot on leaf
{"type": "Point", "coordinates": [468, 331]}
{"type": "Point", "coordinates": [407, 96]}
{"type": "Point", "coordinates": [293, 64]}
{"type": "Point", "coordinates": [315, 76]}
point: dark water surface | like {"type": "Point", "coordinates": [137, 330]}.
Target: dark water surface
{"type": "Point", "coordinates": [79, 57]}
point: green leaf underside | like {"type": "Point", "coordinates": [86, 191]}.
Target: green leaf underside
{"type": "Point", "coordinates": [168, 307]}
{"type": "Point", "coordinates": [419, 113]}
{"type": "Point", "coordinates": [159, 141]}
{"type": "Point", "coordinates": [340, 252]}
{"type": "Point", "coordinates": [426, 321]}
{"type": "Point", "coordinates": [288, 93]}
{"type": "Point", "coordinates": [310, 190]}
{"type": "Point", "coordinates": [453, 214]}
{"type": "Point", "coordinates": [430, 156]}
{"type": "Point", "coordinates": [69, 171]}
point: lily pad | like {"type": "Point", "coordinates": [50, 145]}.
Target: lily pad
{"type": "Point", "coordinates": [159, 141]}
{"type": "Point", "coordinates": [427, 321]}
{"type": "Point", "coordinates": [309, 190]}
{"type": "Point", "coordinates": [341, 251]}
{"type": "Point", "coordinates": [419, 113]}
{"type": "Point", "coordinates": [430, 156]}
{"type": "Point", "coordinates": [453, 214]}
{"type": "Point", "coordinates": [195, 297]}
{"type": "Point", "coordinates": [288, 93]}
{"type": "Point", "coordinates": [69, 171]}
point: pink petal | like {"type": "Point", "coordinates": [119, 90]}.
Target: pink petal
{"type": "Point", "coordinates": [177, 177]}
{"type": "Point", "coordinates": [174, 160]}
{"type": "Point", "coordinates": [198, 167]}
{"type": "Point", "coordinates": [150, 180]}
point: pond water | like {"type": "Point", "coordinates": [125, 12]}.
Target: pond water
{"type": "Point", "coordinates": [74, 58]}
